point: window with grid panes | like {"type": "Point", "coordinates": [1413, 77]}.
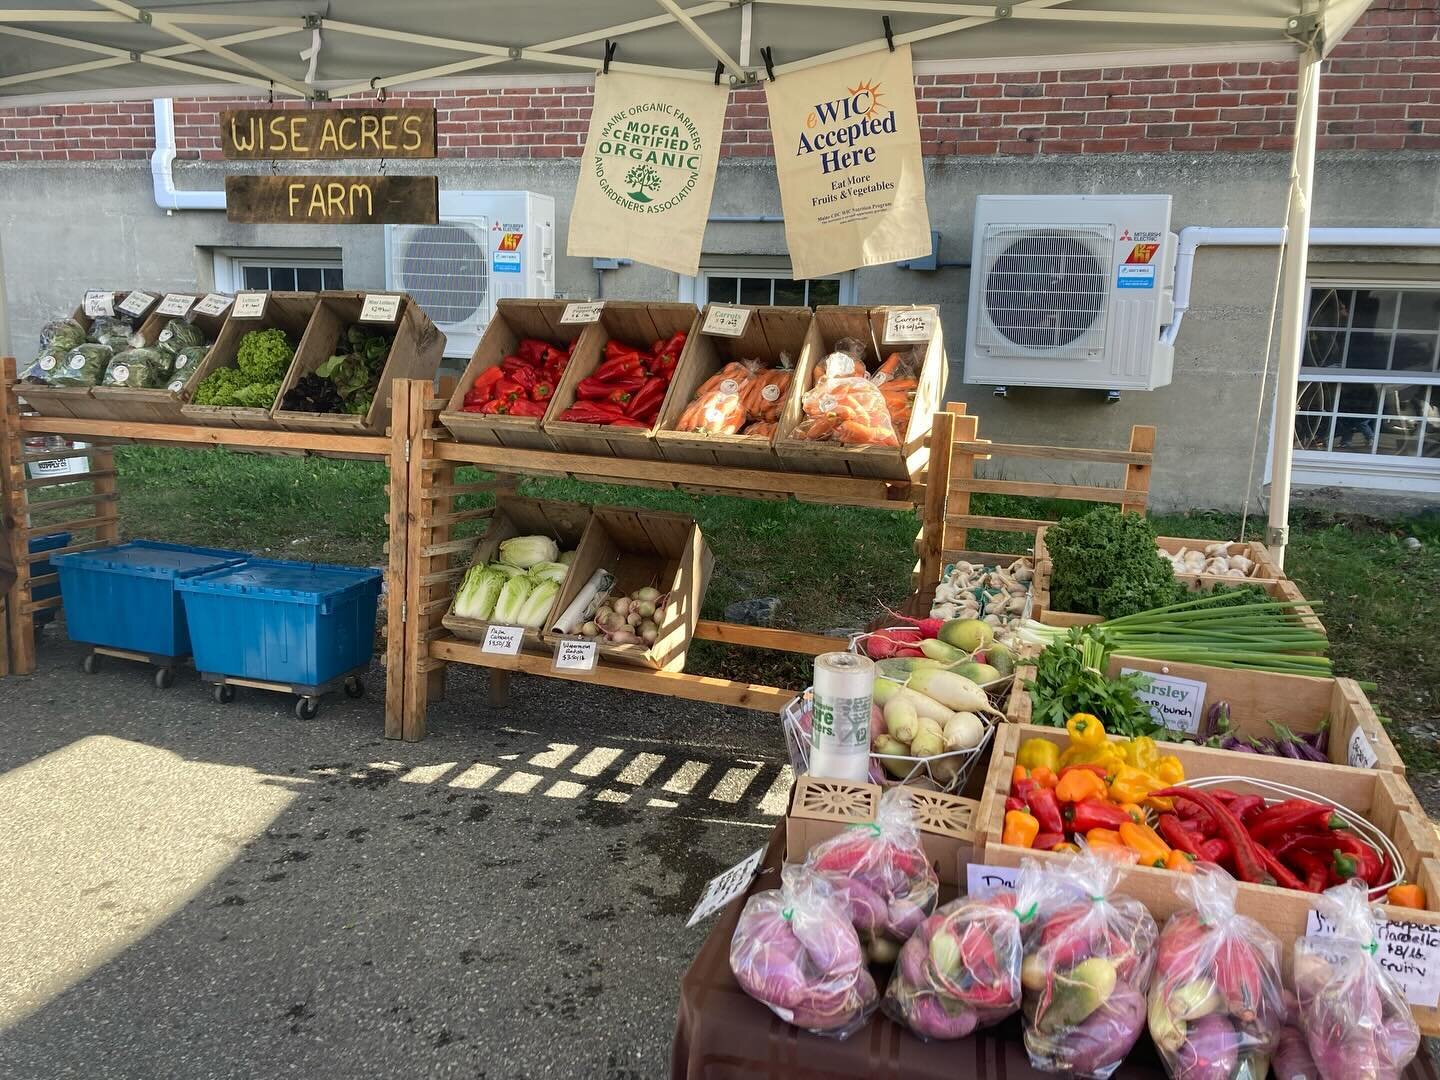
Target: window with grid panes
{"type": "Point", "coordinates": [290, 277]}
{"type": "Point", "coordinates": [1370, 375]}
{"type": "Point", "coordinates": [721, 288]}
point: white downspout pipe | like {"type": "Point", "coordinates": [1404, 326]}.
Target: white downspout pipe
{"type": "Point", "coordinates": [1294, 272]}
{"type": "Point", "coordinates": [167, 196]}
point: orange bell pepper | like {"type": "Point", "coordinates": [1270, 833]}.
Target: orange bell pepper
{"type": "Point", "coordinates": [1021, 828]}
{"type": "Point", "coordinates": [1018, 773]}
{"type": "Point", "coordinates": [1044, 777]}
{"type": "Point", "coordinates": [1135, 811]}
{"type": "Point", "coordinates": [1079, 784]}
{"type": "Point", "coordinates": [1406, 895]}
{"type": "Point", "coordinates": [1145, 842]}
{"type": "Point", "coordinates": [1180, 862]}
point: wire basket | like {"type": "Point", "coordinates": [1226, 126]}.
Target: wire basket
{"type": "Point", "coordinates": [944, 772]}
{"type": "Point", "coordinates": [1358, 823]}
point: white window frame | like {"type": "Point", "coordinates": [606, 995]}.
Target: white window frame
{"type": "Point", "coordinates": [694, 290]}
{"type": "Point", "coordinates": [230, 263]}
{"type": "Point", "coordinates": [1372, 472]}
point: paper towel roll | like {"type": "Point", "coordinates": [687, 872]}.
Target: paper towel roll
{"type": "Point", "coordinates": [840, 728]}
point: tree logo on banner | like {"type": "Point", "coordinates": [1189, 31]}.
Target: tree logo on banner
{"type": "Point", "coordinates": [648, 157]}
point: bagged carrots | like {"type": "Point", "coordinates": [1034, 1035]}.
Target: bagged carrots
{"type": "Point", "coordinates": [765, 395]}
{"type": "Point", "coordinates": [715, 413]}
{"type": "Point", "coordinates": [744, 394]}
{"type": "Point", "coordinates": [846, 407]}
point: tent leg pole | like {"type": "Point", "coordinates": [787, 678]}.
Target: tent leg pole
{"type": "Point", "coordinates": [1293, 301]}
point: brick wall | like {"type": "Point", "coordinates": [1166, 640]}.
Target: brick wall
{"type": "Point", "coordinates": [1381, 92]}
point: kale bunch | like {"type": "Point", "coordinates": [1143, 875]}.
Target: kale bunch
{"type": "Point", "coordinates": [1106, 563]}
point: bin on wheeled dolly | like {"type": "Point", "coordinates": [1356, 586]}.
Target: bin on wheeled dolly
{"type": "Point", "coordinates": [297, 628]}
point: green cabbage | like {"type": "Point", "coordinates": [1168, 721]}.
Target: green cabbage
{"type": "Point", "coordinates": [147, 368]}
{"type": "Point", "coordinates": [512, 598]}
{"type": "Point", "coordinates": [478, 592]}
{"type": "Point", "coordinates": [526, 551]}
{"type": "Point", "coordinates": [537, 605]}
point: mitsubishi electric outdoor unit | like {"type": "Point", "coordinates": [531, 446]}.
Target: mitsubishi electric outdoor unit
{"type": "Point", "coordinates": [488, 245]}
{"type": "Point", "coordinates": [1071, 290]}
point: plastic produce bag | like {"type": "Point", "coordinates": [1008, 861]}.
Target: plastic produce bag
{"type": "Point", "coordinates": [138, 368]}
{"type": "Point", "coordinates": [60, 336]}
{"type": "Point", "coordinates": [1086, 970]}
{"type": "Point", "coordinates": [795, 951]}
{"type": "Point", "coordinates": [41, 369]}
{"type": "Point", "coordinates": [961, 969]}
{"type": "Point", "coordinates": [716, 408]}
{"type": "Point", "coordinates": [1216, 1001]}
{"type": "Point", "coordinates": [764, 397]}
{"type": "Point", "coordinates": [112, 331]}
{"type": "Point", "coordinates": [843, 404]}
{"type": "Point", "coordinates": [883, 875]}
{"type": "Point", "coordinates": [83, 366]}
{"type": "Point", "coordinates": [179, 334]}
{"type": "Point", "coordinates": [186, 361]}
{"type": "Point", "coordinates": [1356, 1021]}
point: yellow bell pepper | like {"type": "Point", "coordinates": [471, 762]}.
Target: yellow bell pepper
{"type": "Point", "coordinates": [1169, 769]}
{"type": "Point", "coordinates": [1145, 842]}
{"type": "Point", "coordinates": [1085, 730]}
{"type": "Point", "coordinates": [1072, 849]}
{"type": "Point", "coordinates": [1141, 752]}
{"type": "Point", "coordinates": [1132, 785]}
{"type": "Point", "coordinates": [1039, 754]}
{"type": "Point", "coordinates": [1104, 755]}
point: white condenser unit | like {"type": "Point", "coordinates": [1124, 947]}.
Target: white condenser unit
{"type": "Point", "coordinates": [1072, 291]}
{"type": "Point", "coordinates": [488, 245]}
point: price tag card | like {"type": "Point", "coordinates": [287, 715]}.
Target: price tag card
{"type": "Point", "coordinates": [213, 304]}
{"type": "Point", "coordinates": [99, 302]}
{"type": "Point", "coordinates": [1175, 703]}
{"type": "Point", "coordinates": [909, 325]}
{"type": "Point", "coordinates": [175, 304]}
{"type": "Point", "coordinates": [249, 305]}
{"type": "Point", "coordinates": [582, 313]}
{"type": "Point", "coordinates": [503, 639]}
{"type": "Point", "coordinates": [137, 303]}
{"type": "Point", "coordinates": [723, 888]}
{"type": "Point", "coordinates": [380, 307]}
{"type": "Point", "coordinates": [981, 880]}
{"type": "Point", "coordinates": [1359, 752]}
{"type": "Point", "coordinates": [575, 654]}
{"type": "Point", "coordinates": [725, 321]}
{"type": "Point", "coordinates": [1409, 951]}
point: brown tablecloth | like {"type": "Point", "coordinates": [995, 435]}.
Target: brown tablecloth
{"type": "Point", "coordinates": [723, 1033]}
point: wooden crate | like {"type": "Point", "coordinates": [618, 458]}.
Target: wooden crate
{"type": "Point", "coordinates": [645, 548]}
{"type": "Point", "coordinates": [1383, 797]}
{"type": "Point", "coordinates": [769, 333]}
{"type": "Point", "coordinates": [415, 353]}
{"type": "Point", "coordinates": [632, 323]}
{"type": "Point", "coordinates": [77, 401]}
{"type": "Point", "coordinates": [514, 516]}
{"type": "Point", "coordinates": [1302, 703]}
{"type": "Point", "coordinates": [821, 809]}
{"type": "Point", "coordinates": [159, 405]}
{"type": "Point", "coordinates": [888, 462]}
{"type": "Point", "coordinates": [1262, 573]}
{"type": "Point", "coordinates": [1277, 589]}
{"type": "Point", "coordinates": [287, 311]}
{"type": "Point", "coordinates": [514, 320]}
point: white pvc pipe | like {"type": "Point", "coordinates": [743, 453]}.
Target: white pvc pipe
{"type": "Point", "coordinates": [167, 196]}
{"type": "Point", "coordinates": [1295, 271]}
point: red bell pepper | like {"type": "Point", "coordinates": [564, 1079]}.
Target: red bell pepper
{"type": "Point", "coordinates": [674, 346]}
{"type": "Point", "coordinates": [592, 412]}
{"type": "Point", "coordinates": [1094, 814]}
{"type": "Point", "coordinates": [1044, 841]}
{"type": "Point", "coordinates": [526, 377]}
{"type": "Point", "coordinates": [512, 364]}
{"type": "Point", "coordinates": [1043, 805]}
{"type": "Point", "coordinates": [648, 397]}
{"type": "Point", "coordinates": [543, 390]}
{"type": "Point", "coordinates": [480, 389]}
{"type": "Point", "coordinates": [1012, 803]}
{"type": "Point", "coordinates": [623, 367]}
{"type": "Point", "coordinates": [508, 390]}
{"type": "Point", "coordinates": [495, 407]}
{"type": "Point", "coordinates": [533, 350]}
{"type": "Point", "coordinates": [521, 407]}
{"type": "Point", "coordinates": [626, 422]}
{"type": "Point", "coordinates": [618, 350]}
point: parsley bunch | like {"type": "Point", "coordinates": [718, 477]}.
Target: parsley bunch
{"type": "Point", "coordinates": [1065, 684]}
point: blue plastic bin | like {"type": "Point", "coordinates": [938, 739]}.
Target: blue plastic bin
{"type": "Point", "coordinates": [43, 568]}
{"type": "Point", "coordinates": [124, 597]}
{"type": "Point", "coordinates": [303, 624]}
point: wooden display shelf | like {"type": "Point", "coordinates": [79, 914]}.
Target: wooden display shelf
{"type": "Point", "coordinates": [373, 447]}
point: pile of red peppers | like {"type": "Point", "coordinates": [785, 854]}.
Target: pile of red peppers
{"type": "Point", "coordinates": [1296, 844]}
{"type": "Point", "coordinates": [629, 386]}
{"type": "Point", "coordinates": [522, 383]}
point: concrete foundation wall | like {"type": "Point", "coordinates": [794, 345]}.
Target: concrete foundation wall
{"type": "Point", "coordinates": [67, 228]}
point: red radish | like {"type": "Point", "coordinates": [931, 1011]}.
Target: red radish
{"type": "Point", "coordinates": [887, 643]}
{"type": "Point", "coordinates": [928, 628]}
{"type": "Point", "coordinates": [908, 653]}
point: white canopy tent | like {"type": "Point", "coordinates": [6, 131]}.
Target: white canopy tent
{"type": "Point", "coordinates": [95, 50]}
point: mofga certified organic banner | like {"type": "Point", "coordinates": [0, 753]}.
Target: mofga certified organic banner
{"type": "Point", "coordinates": [847, 154]}
{"type": "Point", "coordinates": [648, 171]}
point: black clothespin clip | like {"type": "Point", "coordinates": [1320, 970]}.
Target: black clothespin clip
{"type": "Point", "coordinates": [889, 34]}
{"type": "Point", "coordinates": [719, 70]}
{"type": "Point", "coordinates": [610, 47]}
{"type": "Point", "coordinates": [379, 94]}
{"type": "Point", "coordinates": [768, 55]}
{"type": "Point", "coordinates": [272, 91]}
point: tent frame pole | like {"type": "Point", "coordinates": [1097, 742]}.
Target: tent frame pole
{"type": "Point", "coordinates": [1293, 299]}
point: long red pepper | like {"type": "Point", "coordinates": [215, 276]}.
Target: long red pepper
{"type": "Point", "coordinates": [1283, 877]}
{"type": "Point", "coordinates": [1248, 863]}
{"type": "Point", "coordinates": [1090, 814]}
{"type": "Point", "coordinates": [1292, 815]}
{"type": "Point", "coordinates": [1177, 836]}
{"type": "Point", "coordinates": [1316, 868]}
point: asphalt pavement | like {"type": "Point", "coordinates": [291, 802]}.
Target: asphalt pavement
{"type": "Point", "coordinates": [207, 892]}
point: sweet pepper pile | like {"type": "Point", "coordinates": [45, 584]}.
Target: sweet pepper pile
{"type": "Point", "coordinates": [522, 383]}
{"type": "Point", "coordinates": [628, 387]}
{"type": "Point", "coordinates": [1093, 788]}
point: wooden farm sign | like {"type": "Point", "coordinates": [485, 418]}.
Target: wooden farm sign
{"type": "Point", "coordinates": [333, 200]}
{"type": "Point", "coordinates": [326, 134]}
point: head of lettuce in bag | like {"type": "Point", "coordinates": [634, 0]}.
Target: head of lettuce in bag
{"type": "Point", "coordinates": [143, 368]}
{"type": "Point", "coordinates": [83, 366]}
{"type": "Point", "coordinates": [178, 334]}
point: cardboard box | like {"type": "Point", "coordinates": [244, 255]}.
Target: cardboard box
{"type": "Point", "coordinates": [820, 809]}
{"type": "Point", "coordinates": [415, 353]}
{"type": "Point", "coordinates": [513, 516]}
{"type": "Point", "coordinates": [287, 311]}
{"type": "Point", "coordinates": [645, 548]}
{"type": "Point", "coordinates": [772, 334]}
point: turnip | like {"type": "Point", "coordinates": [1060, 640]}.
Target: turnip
{"type": "Point", "coordinates": [1210, 1050]}
{"type": "Point", "coordinates": [634, 619]}
{"type": "Point", "coordinates": [952, 691]}
{"type": "Point", "coordinates": [649, 632]}
{"type": "Point", "coordinates": [647, 595]}
{"type": "Point", "coordinates": [621, 605]}
{"type": "Point", "coordinates": [646, 609]}
{"type": "Point", "coordinates": [929, 1018]}
{"type": "Point", "coordinates": [925, 705]}
{"type": "Point", "coordinates": [963, 731]}
{"type": "Point", "coordinates": [623, 637]}
{"type": "Point", "coordinates": [590, 629]}
{"type": "Point", "coordinates": [901, 720]}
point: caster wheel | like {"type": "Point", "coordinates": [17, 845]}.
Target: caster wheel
{"type": "Point", "coordinates": [307, 708]}
{"type": "Point", "coordinates": [223, 694]}
{"type": "Point", "coordinates": [354, 687]}
{"type": "Point", "coordinates": [164, 678]}
{"type": "Point", "coordinates": [91, 664]}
